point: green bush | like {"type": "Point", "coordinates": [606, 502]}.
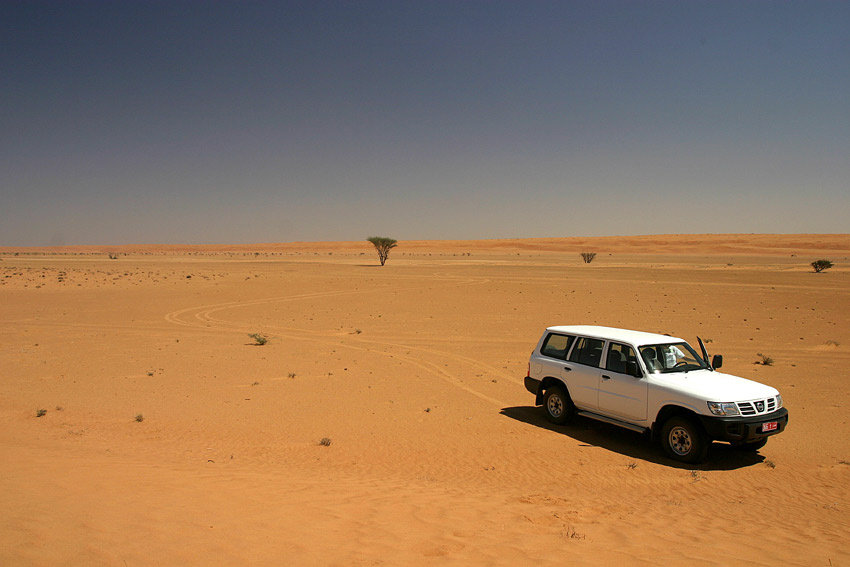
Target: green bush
{"type": "Point", "coordinates": [821, 265]}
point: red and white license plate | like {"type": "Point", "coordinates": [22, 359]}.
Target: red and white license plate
{"type": "Point", "coordinates": [769, 426]}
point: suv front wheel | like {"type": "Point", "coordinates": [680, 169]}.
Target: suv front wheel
{"type": "Point", "coordinates": [684, 440]}
{"type": "Point", "coordinates": [558, 405]}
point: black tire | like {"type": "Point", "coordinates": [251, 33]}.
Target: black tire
{"type": "Point", "coordinates": [558, 406]}
{"type": "Point", "coordinates": [684, 440]}
{"type": "Point", "coordinates": [753, 446]}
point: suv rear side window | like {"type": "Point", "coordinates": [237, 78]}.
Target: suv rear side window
{"type": "Point", "coordinates": [587, 352]}
{"type": "Point", "coordinates": [557, 346]}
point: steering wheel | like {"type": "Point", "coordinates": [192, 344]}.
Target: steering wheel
{"type": "Point", "coordinates": [680, 363]}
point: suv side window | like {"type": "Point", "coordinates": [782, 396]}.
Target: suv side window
{"type": "Point", "coordinates": [557, 346]}
{"type": "Point", "coordinates": [618, 356]}
{"type": "Point", "coordinates": [587, 352]}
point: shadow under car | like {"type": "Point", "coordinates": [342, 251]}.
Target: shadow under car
{"type": "Point", "coordinates": [592, 433]}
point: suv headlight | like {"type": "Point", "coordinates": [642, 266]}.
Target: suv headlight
{"type": "Point", "coordinates": [723, 408]}
{"type": "Point", "coordinates": [778, 402]}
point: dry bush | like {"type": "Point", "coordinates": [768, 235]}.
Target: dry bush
{"type": "Point", "coordinates": [764, 360]}
{"type": "Point", "coordinates": [259, 339]}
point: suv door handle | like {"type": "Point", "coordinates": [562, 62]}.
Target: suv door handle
{"type": "Point", "coordinates": [568, 369]}
{"type": "Point", "coordinates": [606, 377]}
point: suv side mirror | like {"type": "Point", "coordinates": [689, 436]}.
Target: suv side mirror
{"type": "Point", "coordinates": [632, 369]}
{"type": "Point", "coordinates": [717, 361]}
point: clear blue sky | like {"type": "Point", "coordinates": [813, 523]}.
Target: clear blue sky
{"type": "Point", "coordinates": [238, 122]}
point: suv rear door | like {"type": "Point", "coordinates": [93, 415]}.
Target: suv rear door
{"type": "Point", "coordinates": [582, 372]}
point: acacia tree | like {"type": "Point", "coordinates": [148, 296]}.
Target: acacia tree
{"type": "Point", "coordinates": [821, 265]}
{"type": "Point", "coordinates": [383, 246]}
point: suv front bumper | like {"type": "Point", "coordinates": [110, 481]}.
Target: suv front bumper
{"type": "Point", "coordinates": [743, 429]}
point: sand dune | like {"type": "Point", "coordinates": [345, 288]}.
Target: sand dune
{"type": "Point", "coordinates": [168, 437]}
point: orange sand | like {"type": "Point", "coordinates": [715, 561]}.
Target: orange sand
{"type": "Point", "coordinates": [413, 371]}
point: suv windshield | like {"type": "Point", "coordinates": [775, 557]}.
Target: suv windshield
{"type": "Point", "coordinates": [672, 357]}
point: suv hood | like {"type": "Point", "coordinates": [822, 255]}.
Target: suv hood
{"type": "Point", "coordinates": [717, 386]}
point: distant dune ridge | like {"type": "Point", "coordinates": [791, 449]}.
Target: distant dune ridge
{"type": "Point", "coordinates": [679, 243]}
{"type": "Point", "coordinates": [384, 420]}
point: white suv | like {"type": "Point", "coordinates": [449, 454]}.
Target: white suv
{"type": "Point", "coordinates": [650, 382]}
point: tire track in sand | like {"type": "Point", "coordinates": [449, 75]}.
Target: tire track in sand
{"type": "Point", "coordinates": [202, 317]}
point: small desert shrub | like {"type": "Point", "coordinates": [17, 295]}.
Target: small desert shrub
{"type": "Point", "coordinates": [821, 265]}
{"type": "Point", "coordinates": [139, 417]}
{"type": "Point", "coordinates": [764, 360]}
{"type": "Point", "coordinates": [588, 257]}
{"type": "Point", "coordinates": [259, 340]}
{"type": "Point", "coordinates": [325, 442]}
{"type": "Point", "coordinates": [40, 413]}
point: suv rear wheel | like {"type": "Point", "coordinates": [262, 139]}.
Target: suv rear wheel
{"type": "Point", "coordinates": [684, 440]}
{"type": "Point", "coordinates": [558, 405]}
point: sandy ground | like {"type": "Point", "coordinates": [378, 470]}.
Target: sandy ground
{"type": "Point", "coordinates": [169, 438]}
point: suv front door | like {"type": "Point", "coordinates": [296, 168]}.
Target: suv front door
{"type": "Point", "coordinates": [621, 393]}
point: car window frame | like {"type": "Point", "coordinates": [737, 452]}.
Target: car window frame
{"type": "Point", "coordinates": [586, 338]}
{"type": "Point", "coordinates": [571, 340]}
{"type": "Point", "coordinates": [610, 343]}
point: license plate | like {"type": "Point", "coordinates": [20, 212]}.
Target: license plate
{"type": "Point", "coordinates": [769, 426]}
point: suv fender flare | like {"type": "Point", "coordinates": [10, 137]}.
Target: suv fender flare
{"type": "Point", "coordinates": [547, 383]}
{"type": "Point", "coordinates": [666, 413]}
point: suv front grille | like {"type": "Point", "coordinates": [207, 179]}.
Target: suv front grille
{"type": "Point", "coordinates": [757, 407]}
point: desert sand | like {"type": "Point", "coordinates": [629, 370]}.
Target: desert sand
{"type": "Point", "coordinates": [385, 421]}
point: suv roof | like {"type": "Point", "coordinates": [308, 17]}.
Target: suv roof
{"type": "Point", "coordinates": [614, 334]}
